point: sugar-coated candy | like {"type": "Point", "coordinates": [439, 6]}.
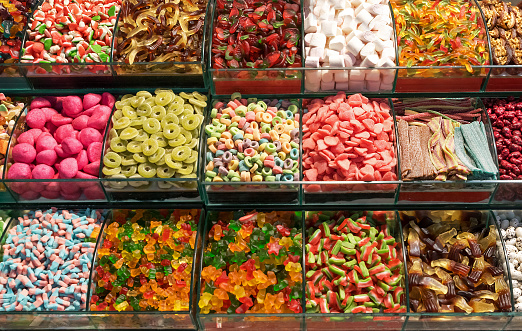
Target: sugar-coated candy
{"type": "Point", "coordinates": [24, 153]}
{"type": "Point", "coordinates": [91, 100]}
{"type": "Point", "coordinates": [145, 261]}
{"type": "Point", "coordinates": [252, 264]}
{"type": "Point", "coordinates": [9, 110]}
{"type": "Point", "coordinates": [19, 171]}
{"type": "Point", "coordinates": [43, 171]}
{"type": "Point", "coordinates": [47, 260]}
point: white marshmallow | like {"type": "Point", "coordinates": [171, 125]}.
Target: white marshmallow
{"type": "Point", "coordinates": [373, 75]}
{"type": "Point", "coordinates": [327, 76]}
{"type": "Point", "coordinates": [342, 86]}
{"type": "Point", "coordinates": [362, 6]}
{"type": "Point", "coordinates": [336, 61]}
{"type": "Point", "coordinates": [312, 62]}
{"type": "Point", "coordinates": [307, 51]}
{"type": "Point", "coordinates": [363, 27]}
{"type": "Point", "coordinates": [349, 60]}
{"type": "Point", "coordinates": [317, 39]}
{"type": "Point", "coordinates": [367, 50]}
{"type": "Point", "coordinates": [356, 3]}
{"type": "Point", "coordinates": [385, 63]}
{"type": "Point", "coordinates": [356, 85]}
{"type": "Point", "coordinates": [388, 43]}
{"type": "Point", "coordinates": [329, 28]}
{"type": "Point", "coordinates": [310, 23]}
{"type": "Point", "coordinates": [388, 76]}
{"type": "Point", "coordinates": [317, 8]}
{"type": "Point", "coordinates": [370, 61]}
{"type": "Point", "coordinates": [325, 9]}
{"type": "Point", "coordinates": [385, 32]}
{"type": "Point", "coordinates": [308, 38]}
{"type": "Point", "coordinates": [349, 25]}
{"type": "Point", "coordinates": [317, 52]}
{"type": "Point", "coordinates": [348, 12]}
{"type": "Point", "coordinates": [355, 45]}
{"type": "Point", "coordinates": [378, 10]}
{"type": "Point", "coordinates": [368, 37]}
{"type": "Point", "coordinates": [337, 43]}
{"type": "Point", "coordinates": [341, 76]}
{"type": "Point", "coordinates": [357, 74]}
{"type": "Point", "coordinates": [379, 44]}
{"type": "Point", "coordinates": [386, 87]}
{"type": "Point", "coordinates": [388, 53]}
{"type": "Point", "coordinates": [327, 86]}
{"type": "Point", "coordinates": [314, 75]}
{"type": "Point", "coordinates": [364, 17]}
{"type": "Point", "coordinates": [373, 86]}
{"type": "Point", "coordinates": [312, 85]}
{"type": "Point", "coordinates": [329, 53]}
{"type": "Point", "coordinates": [339, 4]}
{"type": "Point", "coordinates": [384, 18]}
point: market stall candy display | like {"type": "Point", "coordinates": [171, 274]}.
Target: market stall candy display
{"type": "Point", "coordinates": [60, 138]}
{"type": "Point", "coordinates": [13, 18]}
{"type": "Point", "coordinates": [344, 34]}
{"type": "Point", "coordinates": [252, 263]}
{"type": "Point", "coordinates": [154, 135]}
{"type": "Point", "coordinates": [353, 263]}
{"type": "Point", "coordinates": [10, 109]}
{"type": "Point", "coordinates": [442, 139]}
{"type": "Point", "coordinates": [453, 263]}
{"type": "Point", "coordinates": [47, 257]}
{"type": "Point", "coordinates": [348, 138]}
{"type": "Point", "coordinates": [5, 218]}
{"type": "Point", "coordinates": [71, 32]}
{"type": "Point", "coordinates": [145, 261]}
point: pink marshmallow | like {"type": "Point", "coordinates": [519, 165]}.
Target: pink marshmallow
{"type": "Point", "coordinates": [92, 168]}
{"type": "Point", "coordinates": [63, 132]}
{"type": "Point", "coordinates": [49, 113]}
{"type": "Point", "coordinates": [71, 145]}
{"type": "Point", "coordinates": [26, 138]}
{"type": "Point", "coordinates": [59, 120]}
{"type": "Point", "coordinates": [43, 171]}
{"type": "Point", "coordinates": [50, 127]}
{"type": "Point", "coordinates": [24, 153]}
{"type": "Point", "coordinates": [36, 119]}
{"type": "Point", "coordinates": [19, 171]}
{"type": "Point", "coordinates": [83, 175]}
{"type": "Point", "coordinates": [47, 157]}
{"type": "Point", "coordinates": [61, 154]}
{"type": "Point", "coordinates": [35, 133]}
{"type": "Point", "coordinates": [68, 167]}
{"type": "Point", "coordinates": [99, 117]}
{"type": "Point", "coordinates": [94, 151]}
{"type": "Point", "coordinates": [30, 195]}
{"type": "Point", "coordinates": [91, 100]}
{"type": "Point", "coordinates": [94, 193]}
{"type": "Point", "coordinates": [72, 106]}
{"type": "Point", "coordinates": [50, 194]}
{"type": "Point", "coordinates": [108, 100]}
{"type": "Point", "coordinates": [45, 142]}
{"type": "Point", "coordinates": [82, 159]}
{"type": "Point", "coordinates": [89, 135]}
{"type": "Point", "coordinates": [40, 103]}
{"type": "Point", "coordinates": [80, 122]}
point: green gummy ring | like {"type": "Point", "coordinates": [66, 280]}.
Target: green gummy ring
{"type": "Point", "coordinates": [140, 158]}
{"type": "Point", "coordinates": [169, 119]}
{"type": "Point", "coordinates": [162, 142]}
{"type": "Point", "coordinates": [270, 147]}
{"type": "Point", "coordinates": [129, 112]}
{"type": "Point", "coordinates": [192, 158]}
{"type": "Point", "coordinates": [112, 160]}
{"type": "Point", "coordinates": [241, 111]}
{"type": "Point", "coordinates": [179, 140]}
{"type": "Point", "coordinates": [171, 163]}
{"type": "Point", "coordinates": [158, 112]}
{"type": "Point", "coordinates": [158, 155]}
{"type": "Point", "coordinates": [181, 153]}
{"type": "Point", "coordinates": [122, 123]}
{"type": "Point", "coordinates": [235, 95]}
{"type": "Point", "coordinates": [171, 131]}
{"type": "Point", "coordinates": [118, 145]}
{"type": "Point", "coordinates": [137, 101]}
{"type": "Point", "coordinates": [186, 169]}
{"type": "Point", "coordinates": [142, 135]}
{"type": "Point", "coordinates": [129, 170]}
{"type": "Point", "coordinates": [144, 110]}
{"type": "Point", "coordinates": [277, 120]}
{"type": "Point", "coordinates": [129, 133]}
{"type": "Point", "coordinates": [128, 160]}
{"type": "Point", "coordinates": [134, 146]}
{"type": "Point", "coordinates": [213, 113]}
{"type": "Point", "coordinates": [151, 126]}
{"type": "Point", "coordinates": [191, 122]}
{"type": "Point", "coordinates": [149, 147]}
{"type": "Point", "coordinates": [163, 98]}
{"type": "Point", "coordinates": [147, 170]}
{"type": "Point", "coordinates": [165, 171]}
{"type": "Point", "coordinates": [111, 171]}
{"type": "Point", "coordinates": [293, 109]}
{"type": "Point", "coordinates": [137, 121]}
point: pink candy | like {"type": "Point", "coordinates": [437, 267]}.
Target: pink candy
{"type": "Point", "coordinates": [72, 106]}
{"type": "Point", "coordinates": [19, 171]}
{"type": "Point", "coordinates": [89, 135]}
{"type": "Point", "coordinates": [24, 153]}
{"type": "Point", "coordinates": [68, 168]}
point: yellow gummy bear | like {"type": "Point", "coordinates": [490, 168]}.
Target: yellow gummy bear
{"type": "Point", "coordinates": [205, 300]}
{"type": "Point", "coordinates": [239, 291]}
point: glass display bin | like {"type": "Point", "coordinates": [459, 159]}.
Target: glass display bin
{"type": "Point", "coordinates": [460, 221]}
{"type": "Point", "coordinates": [443, 190]}
{"type": "Point", "coordinates": [12, 77]}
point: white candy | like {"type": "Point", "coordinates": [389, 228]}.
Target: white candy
{"type": "Point", "coordinates": [386, 87]}
{"type": "Point", "coordinates": [362, 6]}
{"type": "Point", "coordinates": [329, 53]}
{"type": "Point", "coordinates": [388, 53]}
{"type": "Point", "coordinates": [389, 43]}
{"type": "Point", "coordinates": [312, 62]}
{"type": "Point", "coordinates": [518, 232]}
{"type": "Point", "coordinates": [317, 39]}
{"type": "Point", "coordinates": [312, 85]}
{"type": "Point", "coordinates": [356, 85]}
{"type": "Point", "coordinates": [337, 43]}
{"type": "Point", "coordinates": [364, 17]}
{"type": "Point", "coordinates": [373, 86]}
{"type": "Point", "coordinates": [313, 75]}
{"type": "Point", "coordinates": [370, 61]}
{"type": "Point", "coordinates": [317, 52]}
{"type": "Point", "coordinates": [329, 28]}
{"type": "Point", "coordinates": [363, 27]}
{"type": "Point", "coordinates": [337, 61]}
{"type": "Point", "coordinates": [349, 25]}
{"type": "Point", "coordinates": [367, 50]}
{"type": "Point", "coordinates": [378, 9]}
{"type": "Point", "coordinates": [356, 3]}
{"type": "Point", "coordinates": [342, 76]}
{"type": "Point", "coordinates": [348, 12]}
{"type": "Point", "coordinates": [327, 76]}
{"type": "Point", "coordinates": [349, 60]}
{"type": "Point", "coordinates": [327, 86]}
{"type": "Point", "coordinates": [373, 75]}
{"type": "Point", "coordinates": [379, 44]}
{"type": "Point", "coordinates": [385, 63]}
{"type": "Point", "coordinates": [354, 46]}
{"type": "Point", "coordinates": [342, 86]}
{"type": "Point", "coordinates": [368, 37]}
{"type": "Point", "coordinates": [354, 33]}
{"type": "Point", "coordinates": [388, 76]}
{"type": "Point", "coordinates": [357, 74]}
{"type": "Point", "coordinates": [310, 23]}
{"type": "Point", "coordinates": [384, 32]}
{"type": "Point", "coordinates": [308, 38]}
{"type": "Point", "coordinates": [339, 4]}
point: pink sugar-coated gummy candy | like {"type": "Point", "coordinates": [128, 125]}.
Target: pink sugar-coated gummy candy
{"type": "Point", "coordinates": [68, 168]}
{"type": "Point", "coordinates": [61, 153]}
{"type": "Point", "coordinates": [45, 142]}
{"type": "Point", "coordinates": [93, 193]}
{"type": "Point", "coordinates": [52, 99]}
{"type": "Point", "coordinates": [36, 186]}
{"type": "Point", "coordinates": [19, 187]}
{"type": "Point", "coordinates": [69, 188]}
{"type": "Point", "coordinates": [30, 195]}
{"type": "Point", "coordinates": [59, 120]}
{"type": "Point", "coordinates": [50, 194]}
{"type": "Point", "coordinates": [53, 186]}
{"type": "Point", "coordinates": [36, 133]}
{"type": "Point", "coordinates": [99, 117]}
{"type": "Point", "coordinates": [36, 119]}
{"type": "Point", "coordinates": [40, 103]}
{"type": "Point", "coordinates": [19, 171]}
{"type": "Point", "coordinates": [89, 135]}
{"type": "Point", "coordinates": [49, 113]}
{"type": "Point", "coordinates": [88, 112]}
{"type": "Point", "coordinates": [74, 196]}
{"type": "Point", "coordinates": [24, 153]}
{"type": "Point", "coordinates": [72, 106]}
{"type": "Point", "coordinates": [71, 145]}
{"type": "Point", "coordinates": [83, 175]}
{"type": "Point", "coordinates": [47, 157]}
{"type": "Point", "coordinates": [91, 100]}
{"type": "Point", "coordinates": [50, 127]}
{"type": "Point", "coordinates": [108, 100]}
{"type": "Point", "coordinates": [82, 159]}
{"type": "Point", "coordinates": [26, 138]}
{"type": "Point", "coordinates": [63, 132]}
{"type": "Point", "coordinates": [94, 151]}
{"type": "Point", "coordinates": [43, 171]}
{"type": "Point", "coordinates": [92, 168]}
{"type": "Point", "coordinates": [80, 122]}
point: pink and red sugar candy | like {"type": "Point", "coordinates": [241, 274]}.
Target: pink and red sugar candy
{"type": "Point", "coordinates": [348, 139]}
{"type": "Point", "coordinates": [47, 260]}
{"type": "Point", "coordinates": [68, 149]}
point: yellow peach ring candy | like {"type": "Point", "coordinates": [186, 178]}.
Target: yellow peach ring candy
{"type": "Point", "coordinates": [147, 170]}
{"type": "Point", "coordinates": [186, 169]}
{"type": "Point", "coordinates": [151, 126]}
{"type": "Point", "coordinates": [111, 171]}
{"type": "Point", "coordinates": [160, 153]}
{"type": "Point", "coordinates": [137, 101]}
{"type": "Point", "coordinates": [158, 112]}
{"type": "Point", "coordinates": [113, 134]}
{"type": "Point", "coordinates": [170, 163]}
{"type": "Point", "coordinates": [161, 161]}
{"type": "Point", "coordinates": [120, 184]}
{"type": "Point", "coordinates": [175, 108]}
{"type": "Point", "coordinates": [142, 135]}
{"type": "Point", "coordinates": [179, 140]}
{"type": "Point", "coordinates": [134, 146]}
{"type": "Point", "coordinates": [181, 153]}
{"type": "Point", "coordinates": [139, 157]}
{"type": "Point", "coordinates": [171, 131]}
{"type": "Point", "coordinates": [191, 122]}
{"type": "Point", "coordinates": [129, 170]}
{"type": "Point", "coordinates": [196, 102]}
{"type": "Point", "coordinates": [128, 160]}
{"type": "Point", "coordinates": [144, 110]}
{"type": "Point", "coordinates": [149, 147]}
{"type": "Point", "coordinates": [117, 115]}
{"type": "Point", "coordinates": [165, 171]}
{"type": "Point", "coordinates": [122, 123]}
{"type": "Point", "coordinates": [186, 134]}
{"type": "Point", "coordinates": [118, 145]}
{"type": "Point", "coordinates": [129, 112]}
{"type": "Point", "coordinates": [129, 133]}
{"type": "Point", "coordinates": [112, 160]}
{"type": "Point", "coordinates": [144, 94]}
{"type": "Point", "coordinates": [199, 96]}
{"type": "Point", "coordinates": [168, 119]}
{"type": "Point", "coordinates": [158, 136]}
{"type": "Point", "coordinates": [164, 98]}
{"type": "Point", "coordinates": [137, 183]}
{"type": "Point", "coordinates": [193, 143]}
{"type": "Point", "coordinates": [192, 158]}
{"type": "Point", "coordinates": [138, 121]}
{"type": "Point", "coordinates": [279, 128]}
{"type": "Point", "coordinates": [185, 95]}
